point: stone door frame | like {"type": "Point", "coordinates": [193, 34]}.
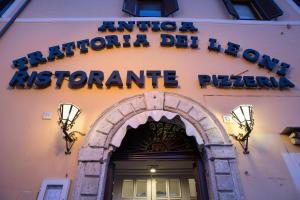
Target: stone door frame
{"type": "Point", "coordinates": [109, 129]}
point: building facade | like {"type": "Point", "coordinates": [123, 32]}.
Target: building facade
{"type": "Point", "coordinates": [155, 82]}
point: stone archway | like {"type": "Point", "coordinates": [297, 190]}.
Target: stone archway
{"type": "Point", "coordinates": [110, 128]}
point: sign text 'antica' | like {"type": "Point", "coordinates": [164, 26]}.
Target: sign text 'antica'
{"type": "Point", "coordinates": [186, 39]}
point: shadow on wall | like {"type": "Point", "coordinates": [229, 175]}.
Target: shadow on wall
{"type": "Point", "coordinates": [59, 145]}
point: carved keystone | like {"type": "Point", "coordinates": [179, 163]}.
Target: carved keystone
{"type": "Point", "coordinates": [154, 100]}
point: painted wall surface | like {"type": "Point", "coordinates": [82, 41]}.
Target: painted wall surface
{"type": "Point", "coordinates": [202, 9]}
{"type": "Point", "coordinates": [32, 149]}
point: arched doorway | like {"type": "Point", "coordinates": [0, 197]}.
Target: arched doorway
{"type": "Point", "coordinates": [157, 161]}
{"type": "Point", "coordinates": [110, 128]}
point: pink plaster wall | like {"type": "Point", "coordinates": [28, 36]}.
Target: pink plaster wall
{"type": "Point", "coordinates": [202, 9]}
{"type": "Point", "coordinates": [32, 149]}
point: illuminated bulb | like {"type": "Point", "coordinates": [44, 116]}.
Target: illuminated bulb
{"type": "Point", "coordinates": [152, 170]}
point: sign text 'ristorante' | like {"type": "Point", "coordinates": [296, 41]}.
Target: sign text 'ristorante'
{"type": "Point", "coordinates": [24, 77]}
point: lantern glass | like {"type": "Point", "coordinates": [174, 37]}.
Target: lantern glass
{"type": "Point", "coordinates": [243, 115]}
{"type": "Point", "coordinates": [68, 113]}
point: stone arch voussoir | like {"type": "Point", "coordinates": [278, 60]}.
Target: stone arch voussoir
{"type": "Point", "coordinates": [109, 129]}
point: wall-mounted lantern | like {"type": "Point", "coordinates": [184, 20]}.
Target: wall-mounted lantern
{"type": "Point", "coordinates": [243, 115]}
{"type": "Point", "coordinates": [68, 113]}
